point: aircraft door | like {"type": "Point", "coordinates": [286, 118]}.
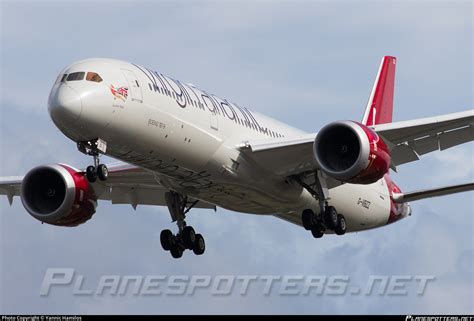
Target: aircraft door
{"type": "Point", "coordinates": [134, 86]}
{"type": "Point", "coordinates": [214, 121]}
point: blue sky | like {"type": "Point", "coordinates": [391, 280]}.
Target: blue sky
{"type": "Point", "coordinates": [304, 63]}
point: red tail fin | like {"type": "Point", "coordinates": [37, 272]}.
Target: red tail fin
{"type": "Point", "coordinates": [379, 108]}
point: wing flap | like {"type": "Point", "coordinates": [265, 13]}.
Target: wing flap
{"type": "Point", "coordinates": [136, 195]}
{"type": "Point", "coordinates": [403, 153]}
{"type": "Point", "coordinates": [426, 145]}
{"type": "Point", "coordinates": [456, 137]}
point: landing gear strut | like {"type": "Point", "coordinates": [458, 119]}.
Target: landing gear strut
{"type": "Point", "coordinates": [328, 218]}
{"type": "Point", "coordinates": [186, 238]}
{"type": "Point", "coordinates": [93, 148]}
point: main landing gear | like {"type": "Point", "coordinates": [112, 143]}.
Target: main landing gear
{"type": "Point", "coordinates": [186, 238]}
{"type": "Point", "coordinates": [93, 148]}
{"type": "Point", "coordinates": [328, 218]}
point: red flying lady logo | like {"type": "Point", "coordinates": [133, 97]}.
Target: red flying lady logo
{"type": "Point", "coordinates": [119, 92]}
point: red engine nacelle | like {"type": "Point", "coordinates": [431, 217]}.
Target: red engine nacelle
{"type": "Point", "coordinates": [58, 195]}
{"type": "Point", "coordinates": [351, 152]}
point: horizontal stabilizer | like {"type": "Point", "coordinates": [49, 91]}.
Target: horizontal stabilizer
{"type": "Point", "coordinates": [418, 195]}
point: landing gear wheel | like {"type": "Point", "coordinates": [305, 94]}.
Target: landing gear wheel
{"type": "Point", "coordinates": [330, 217]}
{"type": "Point", "coordinates": [199, 245]}
{"type": "Point", "coordinates": [341, 225]}
{"type": "Point", "coordinates": [189, 237]}
{"type": "Point", "coordinates": [102, 172]}
{"type": "Point", "coordinates": [186, 238]}
{"type": "Point", "coordinates": [317, 231]}
{"type": "Point", "coordinates": [307, 219]}
{"type": "Point", "coordinates": [91, 174]}
{"type": "Point", "coordinates": [166, 239]}
{"type": "Point", "coordinates": [176, 251]}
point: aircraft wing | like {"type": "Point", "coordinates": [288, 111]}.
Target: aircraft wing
{"type": "Point", "coordinates": [422, 194]}
{"type": "Point", "coordinates": [407, 140]}
{"type": "Point", "coordinates": [282, 156]}
{"type": "Point", "coordinates": [126, 184]}
{"type": "Point", "coordinates": [10, 186]}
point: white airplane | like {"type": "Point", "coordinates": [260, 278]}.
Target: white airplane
{"type": "Point", "coordinates": [183, 147]}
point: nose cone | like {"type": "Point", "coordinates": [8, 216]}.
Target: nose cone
{"type": "Point", "coordinates": [65, 105]}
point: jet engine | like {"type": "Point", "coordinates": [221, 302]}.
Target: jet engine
{"type": "Point", "coordinates": [58, 195]}
{"type": "Point", "coordinates": [351, 152]}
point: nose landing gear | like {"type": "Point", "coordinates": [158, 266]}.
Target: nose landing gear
{"type": "Point", "coordinates": [186, 238]}
{"type": "Point", "coordinates": [97, 171]}
{"type": "Point", "coordinates": [94, 148]}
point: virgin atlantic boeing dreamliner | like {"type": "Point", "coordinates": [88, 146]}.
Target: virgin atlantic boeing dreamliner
{"type": "Point", "coordinates": [186, 148]}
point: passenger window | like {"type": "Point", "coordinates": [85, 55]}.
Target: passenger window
{"type": "Point", "coordinates": [93, 76]}
{"type": "Point", "coordinates": [76, 76]}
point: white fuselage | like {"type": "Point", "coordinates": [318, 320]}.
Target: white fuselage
{"type": "Point", "coordinates": [188, 138]}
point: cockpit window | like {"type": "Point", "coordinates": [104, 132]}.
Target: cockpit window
{"type": "Point", "coordinates": [76, 76]}
{"type": "Point", "coordinates": [93, 76]}
{"type": "Point", "coordinates": [61, 78]}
